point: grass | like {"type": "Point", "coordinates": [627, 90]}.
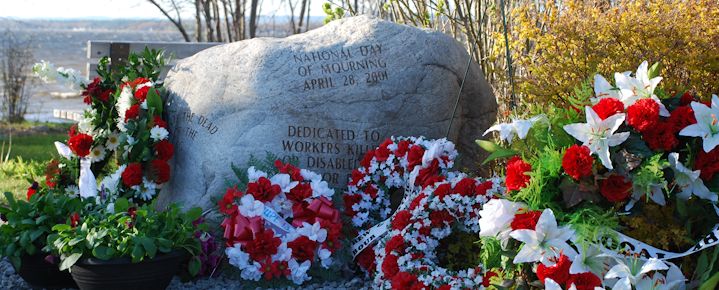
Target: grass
{"type": "Point", "coordinates": [32, 147]}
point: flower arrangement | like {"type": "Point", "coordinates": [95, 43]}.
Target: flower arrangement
{"type": "Point", "coordinates": [278, 224]}
{"type": "Point", "coordinates": [137, 233]}
{"type": "Point", "coordinates": [617, 191]}
{"type": "Point", "coordinates": [388, 175]}
{"type": "Point", "coordinates": [408, 256]}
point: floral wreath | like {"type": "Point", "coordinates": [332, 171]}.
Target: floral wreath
{"type": "Point", "coordinates": [282, 225]}
{"type": "Point", "coordinates": [397, 163]}
{"type": "Point", "coordinates": [143, 147]}
{"type": "Point", "coordinates": [406, 257]}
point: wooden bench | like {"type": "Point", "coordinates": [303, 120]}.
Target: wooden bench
{"type": "Point", "coordinates": [118, 51]}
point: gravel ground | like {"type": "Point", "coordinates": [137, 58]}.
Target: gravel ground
{"type": "Point", "coordinates": [9, 280]}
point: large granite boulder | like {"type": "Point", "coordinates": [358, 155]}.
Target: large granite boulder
{"type": "Point", "coordinates": [323, 98]}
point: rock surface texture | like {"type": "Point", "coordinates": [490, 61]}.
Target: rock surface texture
{"type": "Point", "coordinates": [321, 98]}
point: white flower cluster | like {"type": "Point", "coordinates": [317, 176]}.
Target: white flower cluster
{"type": "Point", "coordinates": [462, 208]}
{"type": "Point", "coordinates": [47, 72]}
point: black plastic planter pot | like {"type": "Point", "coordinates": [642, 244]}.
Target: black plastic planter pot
{"type": "Point", "coordinates": [96, 274]}
{"type": "Point", "coordinates": [40, 273]}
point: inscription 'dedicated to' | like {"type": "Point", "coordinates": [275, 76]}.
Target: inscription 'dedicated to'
{"type": "Point", "coordinates": [343, 67]}
{"type": "Point", "coordinates": [334, 152]}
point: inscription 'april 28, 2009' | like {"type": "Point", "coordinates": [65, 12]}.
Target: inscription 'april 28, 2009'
{"type": "Point", "coordinates": [333, 68]}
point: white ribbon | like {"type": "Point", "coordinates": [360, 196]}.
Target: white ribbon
{"type": "Point", "coordinates": [646, 251]}
{"type": "Point", "coordinates": [63, 150]}
{"type": "Point", "coordinates": [88, 184]}
{"type": "Point", "coordinates": [276, 221]}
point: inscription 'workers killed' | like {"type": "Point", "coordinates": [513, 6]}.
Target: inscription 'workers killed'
{"type": "Point", "coordinates": [343, 67]}
{"type": "Point", "coordinates": [330, 150]}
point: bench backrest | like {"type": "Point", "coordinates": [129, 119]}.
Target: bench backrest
{"type": "Point", "coordinates": [120, 50]}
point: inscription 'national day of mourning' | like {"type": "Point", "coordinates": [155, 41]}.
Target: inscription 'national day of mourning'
{"type": "Point", "coordinates": [342, 67]}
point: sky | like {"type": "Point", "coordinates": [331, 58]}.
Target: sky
{"type": "Point", "coordinates": [132, 9]}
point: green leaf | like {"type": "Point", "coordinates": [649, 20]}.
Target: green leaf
{"type": "Point", "coordinates": [68, 261]}
{"type": "Point", "coordinates": [501, 153]}
{"type": "Point", "coordinates": [654, 70]}
{"type": "Point", "coordinates": [137, 253]}
{"type": "Point", "coordinates": [61, 227]}
{"type": "Point", "coordinates": [711, 283]}
{"type": "Point", "coordinates": [194, 266]}
{"type": "Point", "coordinates": [149, 246]}
{"type": "Point", "coordinates": [103, 252]}
{"type": "Point", "coordinates": [121, 205]}
{"type": "Point", "coordinates": [154, 101]}
{"type": "Point", "coordinates": [194, 213]}
{"type": "Point", "coordinates": [488, 146]}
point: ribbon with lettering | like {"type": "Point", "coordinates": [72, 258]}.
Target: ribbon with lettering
{"type": "Point", "coordinates": [634, 246]}
{"type": "Point", "coordinates": [276, 221]}
{"type": "Point", "coordinates": [319, 209]}
{"type": "Point", "coordinates": [369, 237]}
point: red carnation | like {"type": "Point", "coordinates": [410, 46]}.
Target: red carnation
{"type": "Point", "coordinates": [93, 89]}
{"type": "Point", "coordinates": [382, 152]}
{"type": "Point", "coordinates": [577, 161]}
{"type": "Point", "coordinates": [483, 187]}
{"type": "Point", "coordinates": [401, 219]}
{"type": "Point", "coordinates": [661, 137]}
{"type": "Point", "coordinates": [159, 122]}
{"type": "Point", "coordinates": [165, 150]}
{"type": "Point", "coordinates": [303, 249]}
{"type": "Point", "coordinates": [441, 217]}
{"type": "Point", "coordinates": [161, 171]}
{"type": "Point", "coordinates": [73, 131]}
{"type": "Point", "coordinates": [300, 192]}
{"type": "Point", "coordinates": [396, 243]}
{"type": "Point", "coordinates": [349, 201]}
{"type": "Point", "coordinates": [390, 266]}
{"type": "Point", "coordinates": [105, 96]}
{"type": "Point", "coordinates": [465, 187]}
{"type": "Point", "coordinates": [584, 281]}
{"type": "Point", "coordinates": [80, 144]}
{"type": "Point", "coordinates": [287, 168]}
{"type": "Point", "coordinates": [263, 189]}
{"type": "Point", "coordinates": [615, 188]}
{"type": "Point", "coordinates": [132, 113]}
{"type": "Point", "coordinates": [404, 280]}
{"type": "Point", "coordinates": [357, 176]}
{"type": "Point", "coordinates": [643, 115]}
{"type": "Point", "coordinates": [559, 272]}
{"type": "Point", "coordinates": [686, 99]}
{"type": "Point", "coordinates": [443, 190]}
{"type": "Point", "coordinates": [526, 221]}
{"type": "Point", "coordinates": [414, 157]}
{"type": "Point", "coordinates": [608, 107]}
{"type": "Point", "coordinates": [517, 170]}
{"type": "Point", "coordinates": [416, 201]}
{"type": "Point", "coordinates": [367, 159]}
{"type": "Point", "coordinates": [366, 260]}
{"type": "Point", "coordinates": [402, 148]}
{"type": "Point", "coordinates": [141, 94]}
{"type": "Point", "coordinates": [32, 190]}
{"type": "Point", "coordinates": [263, 246]}
{"type": "Point", "coordinates": [708, 163]}
{"type": "Point", "coordinates": [371, 190]}
{"type": "Point", "coordinates": [426, 174]}
{"type": "Point", "coordinates": [132, 175]}
{"type": "Point", "coordinates": [682, 117]}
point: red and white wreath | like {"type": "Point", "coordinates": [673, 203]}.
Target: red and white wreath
{"type": "Point", "coordinates": [399, 163]}
{"type": "Point", "coordinates": [406, 257]}
{"type": "Point", "coordinates": [281, 225]}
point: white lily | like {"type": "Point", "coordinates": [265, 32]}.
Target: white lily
{"type": "Point", "coordinates": [639, 87]}
{"type": "Point", "coordinates": [298, 272]}
{"type": "Point", "coordinates": [496, 217]}
{"type": "Point", "coordinates": [688, 181]}
{"type": "Point", "coordinates": [673, 281]}
{"type": "Point", "coordinates": [589, 259]}
{"type": "Point", "coordinates": [598, 134]}
{"type": "Point", "coordinates": [603, 90]}
{"type": "Point", "coordinates": [707, 126]}
{"type": "Point", "coordinates": [546, 241]}
{"type": "Point", "coordinates": [284, 181]}
{"type": "Point", "coordinates": [630, 271]}
{"type": "Point", "coordinates": [655, 191]}
{"type": "Point", "coordinates": [517, 126]}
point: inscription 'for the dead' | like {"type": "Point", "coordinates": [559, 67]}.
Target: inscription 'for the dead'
{"type": "Point", "coordinates": [350, 66]}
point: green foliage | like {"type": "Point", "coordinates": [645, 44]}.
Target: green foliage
{"type": "Point", "coordinates": [651, 174]}
{"type": "Point", "coordinates": [30, 222]}
{"type": "Point", "coordinates": [332, 14]}
{"type": "Point", "coordinates": [543, 189]}
{"type": "Point", "coordinates": [137, 236]}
